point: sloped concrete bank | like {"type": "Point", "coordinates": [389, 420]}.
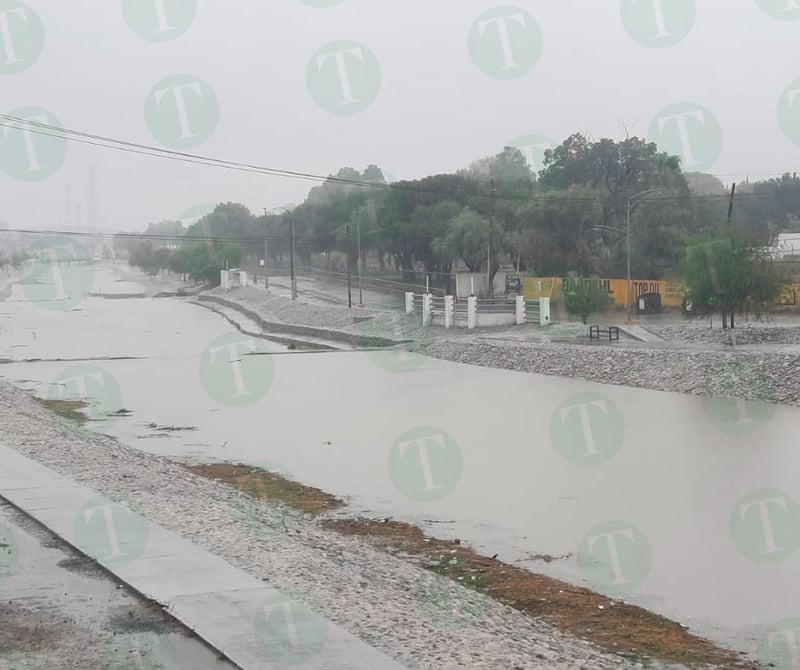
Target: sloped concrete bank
{"type": "Point", "coordinates": [757, 375]}
{"type": "Point", "coordinates": [271, 326]}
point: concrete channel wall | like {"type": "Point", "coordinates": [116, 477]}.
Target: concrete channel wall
{"type": "Point", "coordinates": [353, 339]}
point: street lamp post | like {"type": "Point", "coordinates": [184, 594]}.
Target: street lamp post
{"type": "Point", "coordinates": [635, 199]}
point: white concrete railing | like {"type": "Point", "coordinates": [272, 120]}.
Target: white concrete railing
{"type": "Point", "coordinates": [492, 314]}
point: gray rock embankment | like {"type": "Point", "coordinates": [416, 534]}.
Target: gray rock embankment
{"type": "Point", "coordinates": [771, 377]}
{"type": "Point", "coordinates": [765, 375]}
{"type": "Point", "coordinates": [748, 333]}
{"type": "Point", "coordinates": [387, 602]}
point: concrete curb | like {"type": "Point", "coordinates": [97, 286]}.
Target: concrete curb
{"type": "Point", "coordinates": [310, 331]}
{"type": "Point", "coordinates": [217, 601]}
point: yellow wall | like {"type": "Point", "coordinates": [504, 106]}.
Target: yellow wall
{"type": "Point", "coordinates": [671, 291]}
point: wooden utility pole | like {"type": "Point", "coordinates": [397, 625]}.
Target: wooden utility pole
{"type": "Point", "coordinates": [489, 291]}
{"type": "Point", "coordinates": [730, 206]}
{"type": "Point", "coordinates": [347, 254]}
{"type": "Point", "coordinates": [266, 252]}
{"type": "Point", "coordinates": [730, 221]}
{"type": "Point", "coordinates": [291, 263]}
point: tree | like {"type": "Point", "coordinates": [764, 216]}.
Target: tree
{"type": "Point", "coordinates": [467, 238]}
{"type": "Point", "coordinates": [729, 274]}
{"type": "Point", "coordinates": [585, 296]}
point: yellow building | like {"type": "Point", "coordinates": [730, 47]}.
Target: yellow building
{"type": "Point", "coordinates": [671, 291]}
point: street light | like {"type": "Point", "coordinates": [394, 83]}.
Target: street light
{"type": "Point", "coordinates": [635, 199]}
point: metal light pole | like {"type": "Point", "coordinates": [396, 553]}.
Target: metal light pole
{"type": "Point", "coordinates": [634, 199]}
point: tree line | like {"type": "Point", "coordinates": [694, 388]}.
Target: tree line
{"type": "Point", "coordinates": [567, 219]}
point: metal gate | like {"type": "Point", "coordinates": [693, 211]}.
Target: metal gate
{"type": "Point", "coordinates": [532, 312]}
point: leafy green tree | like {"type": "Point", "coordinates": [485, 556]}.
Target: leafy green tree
{"type": "Point", "coordinates": [730, 274]}
{"type": "Point", "coordinates": [467, 238]}
{"type": "Point", "coordinates": [585, 296]}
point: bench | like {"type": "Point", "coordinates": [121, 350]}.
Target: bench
{"type": "Point", "coordinates": [602, 331]}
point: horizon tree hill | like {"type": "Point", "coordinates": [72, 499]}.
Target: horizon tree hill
{"type": "Point", "coordinates": [568, 218]}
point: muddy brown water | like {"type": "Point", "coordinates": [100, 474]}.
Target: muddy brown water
{"type": "Point", "coordinates": [682, 506]}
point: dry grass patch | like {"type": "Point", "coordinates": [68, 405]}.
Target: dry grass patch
{"type": "Point", "coordinates": [261, 483]}
{"type": "Point", "coordinates": [611, 624]}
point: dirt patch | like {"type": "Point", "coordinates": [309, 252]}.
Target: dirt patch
{"type": "Point", "coordinates": [80, 566]}
{"type": "Point", "coordinates": [69, 409]}
{"type": "Point", "coordinates": [24, 629]}
{"type": "Point", "coordinates": [261, 483]}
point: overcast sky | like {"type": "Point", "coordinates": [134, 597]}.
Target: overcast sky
{"type": "Point", "coordinates": [417, 87]}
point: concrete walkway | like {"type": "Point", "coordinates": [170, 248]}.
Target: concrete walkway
{"type": "Point", "coordinates": [638, 333]}
{"type": "Point", "coordinates": [253, 625]}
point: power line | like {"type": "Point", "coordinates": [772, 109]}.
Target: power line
{"type": "Point", "coordinates": [100, 141]}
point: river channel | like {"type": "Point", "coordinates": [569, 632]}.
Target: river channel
{"type": "Point", "coordinates": [683, 505]}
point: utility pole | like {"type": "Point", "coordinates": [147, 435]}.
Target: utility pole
{"type": "Point", "coordinates": [730, 206]}
{"type": "Point", "coordinates": [358, 266]}
{"type": "Point", "coordinates": [266, 253]}
{"type": "Point", "coordinates": [489, 291]}
{"type": "Point", "coordinates": [730, 220]}
{"type": "Point", "coordinates": [347, 254]}
{"type": "Point", "coordinates": [291, 262]}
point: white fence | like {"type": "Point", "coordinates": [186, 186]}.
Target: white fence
{"type": "Point", "coordinates": [448, 311]}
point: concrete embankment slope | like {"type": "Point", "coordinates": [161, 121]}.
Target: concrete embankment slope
{"type": "Point", "coordinates": [341, 332]}
{"type": "Point", "coordinates": [221, 603]}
